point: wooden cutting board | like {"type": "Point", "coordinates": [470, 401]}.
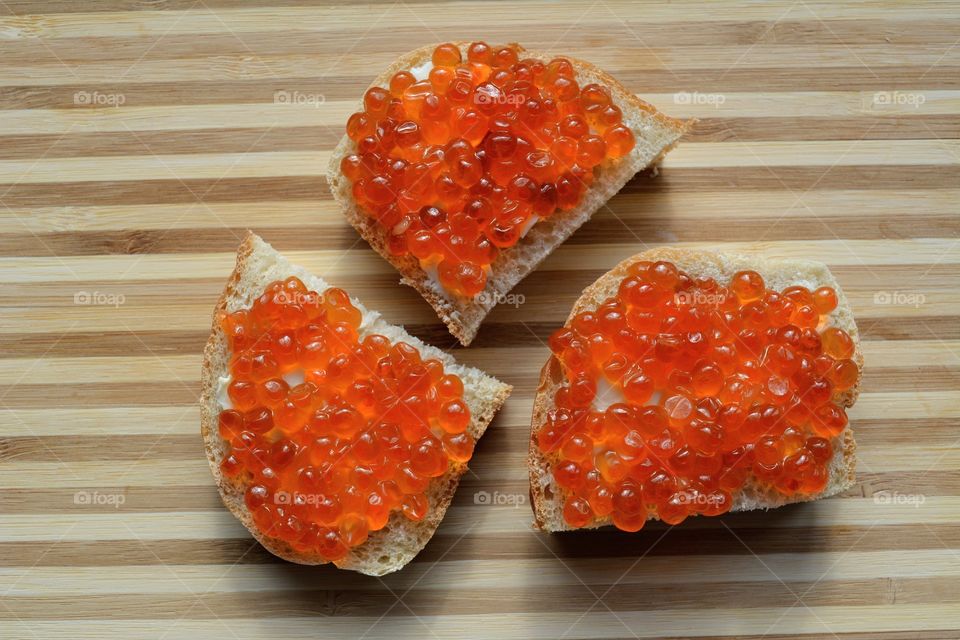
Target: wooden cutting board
{"type": "Point", "coordinates": [139, 140]}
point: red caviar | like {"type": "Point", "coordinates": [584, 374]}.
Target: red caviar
{"type": "Point", "coordinates": [327, 460]}
{"type": "Point", "coordinates": [678, 391]}
{"type": "Point", "coordinates": [455, 167]}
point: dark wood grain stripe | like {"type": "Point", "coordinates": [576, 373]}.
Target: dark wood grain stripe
{"type": "Point", "coordinates": [332, 38]}
{"type": "Point", "coordinates": [165, 190]}
{"type": "Point", "coordinates": [160, 394]}
{"type": "Point", "coordinates": [806, 128]}
{"type": "Point", "coordinates": [498, 444]}
{"type": "Point", "coordinates": [602, 543]}
{"type": "Point", "coordinates": [303, 599]}
{"type": "Point", "coordinates": [173, 191]}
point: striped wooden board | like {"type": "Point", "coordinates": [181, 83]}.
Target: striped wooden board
{"type": "Point", "coordinates": [138, 140]}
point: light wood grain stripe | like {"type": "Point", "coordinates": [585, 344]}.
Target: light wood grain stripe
{"type": "Point", "coordinates": [150, 468]}
{"type": "Point", "coordinates": [827, 154]}
{"type": "Point", "coordinates": [935, 481]}
{"type": "Point", "coordinates": [263, 112]}
{"type": "Point", "coordinates": [476, 519]}
{"type": "Point", "coordinates": [62, 371]}
{"type": "Point", "coordinates": [62, 327]}
{"type": "Point", "coordinates": [123, 17]}
{"type": "Point", "coordinates": [490, 573]}
{"type": "Point", "coordinates": [831, 619]}
{"type": "Point", "coordinates": [295, 63]}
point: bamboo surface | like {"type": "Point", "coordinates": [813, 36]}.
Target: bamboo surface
{"type": "Point", "coordinates": [139, 140]}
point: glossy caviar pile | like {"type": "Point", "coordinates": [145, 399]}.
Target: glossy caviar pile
{"type": "Point", "coordinates": [326, 460]}
{"type": "Point", "coordinates": [711, 385]}
{"type": "Point", "coordinates": [455, 167]}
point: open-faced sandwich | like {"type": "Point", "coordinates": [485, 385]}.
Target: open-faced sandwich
{"type": "Point", "coordinates": [333, 435]}
{"type": "Point", "coordinates": [691, 383]}
{"type": "Point", "coordinates": [469, 163]}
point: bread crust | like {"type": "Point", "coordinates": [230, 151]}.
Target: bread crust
{"type": "Point", "coordinates": [545, 498]}
{"type": "Point", "coordinates": [655, 132]}
{"type": "Point", "coordinates": [368, 558]}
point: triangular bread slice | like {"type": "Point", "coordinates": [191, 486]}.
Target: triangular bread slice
{"type": "Point", "coordinates": [395, 545]}
{"type": "Point", "coordinates": [546, 498]}
{"type": "Point", "coordinates": [655, 134]}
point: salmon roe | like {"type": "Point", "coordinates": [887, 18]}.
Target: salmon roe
{"type": "Point", "coordinates": [455, 167]}
{"type": "Point", "coordinates": [329, 433]}
{"type": "Point", "coordinates": [678, 391]}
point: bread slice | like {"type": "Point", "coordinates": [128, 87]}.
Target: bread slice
{"type": "Point", "coordinates": [546, 497]}
{"type": "Point", "coordinates": [395, 545]}
{"type": "Point", "coordinates": [655, 133]}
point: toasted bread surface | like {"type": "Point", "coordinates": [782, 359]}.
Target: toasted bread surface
{"type": "Point", "coordinates": [655, 134]}
{"type": "Point", "coordinates": [395, 545]}
{"type": "Point", "coordinates": [546, 497]}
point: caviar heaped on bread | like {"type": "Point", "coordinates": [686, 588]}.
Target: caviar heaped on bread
{"type": "Point", "coordinates": [325, 461]}
{"type": "Point", "coordinates": [452, 161]}
{"type": "Point", "coordinates": [455, 166]}
{"type": "Point", "coordinates": [680, 391]}
{"type": "Point", "coordinates": [338, 437]}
